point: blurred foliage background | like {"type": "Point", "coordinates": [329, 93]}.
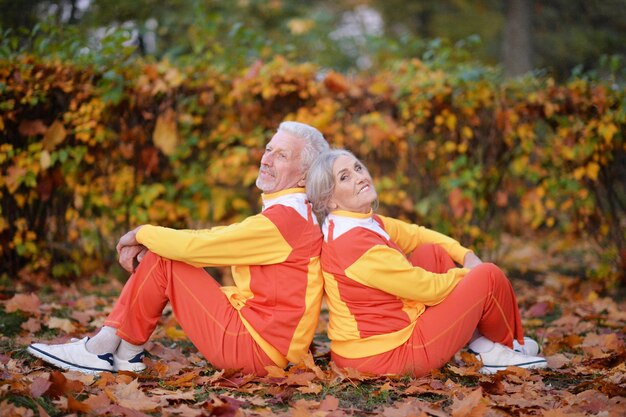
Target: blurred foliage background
{"type": "Point", "coordinates": [481, 119]}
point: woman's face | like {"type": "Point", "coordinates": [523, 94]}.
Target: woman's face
{"type": "Point", "coordinates": [354, 190]}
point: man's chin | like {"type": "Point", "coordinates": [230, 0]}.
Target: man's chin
{"type": "Point", "coordinates": [264, 186]}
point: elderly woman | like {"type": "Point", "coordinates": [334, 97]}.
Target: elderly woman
{"type": "Point", "coordinates": [397, 302]}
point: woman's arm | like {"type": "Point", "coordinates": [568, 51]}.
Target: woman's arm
{"type": "Point", "coordinates": [409, 236]}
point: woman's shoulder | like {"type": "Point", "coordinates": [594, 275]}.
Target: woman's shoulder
{"type": "Point", "coordinates": [344, 231]}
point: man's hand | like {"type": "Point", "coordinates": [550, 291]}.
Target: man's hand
{"type": "Point", "coordinates": [471, 261]}
{"type": "Point", "coordinates": [129, 239]}
{"type": "Point", "coordinates": [128, 254]}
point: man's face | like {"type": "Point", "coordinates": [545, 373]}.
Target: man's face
{"type": "Point", "coordinates": [281, 167]}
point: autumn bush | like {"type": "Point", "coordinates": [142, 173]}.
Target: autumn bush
{"type": "Point", "coordinates": [88, 152]}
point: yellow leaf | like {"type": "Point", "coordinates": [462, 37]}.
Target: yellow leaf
{"type": "Point", "coordinates": [592, 170]}
{"type": "Point", "coordinates": [175, 333]}
{"type": "Point", "coordinates": [300, 26]}
{"type": "Point", "coordinates": [467, 132]}
{"type": "Point", "coordinates": [449, 146]}
{"type": "Point", "coordinates": [165, 136]}
{"type": "Point", "coordinates": [579, 172]}
{"type": "Point", "coordinates": [54, 135]}
{"type": "Point", "coordinates": [59, 323]}
{"type": "Point", "coordinates": [607, 131]}
{"type": "Point", "coordinates": [45, 160]}
{"type": "Point", "coordinates": [451, 122]}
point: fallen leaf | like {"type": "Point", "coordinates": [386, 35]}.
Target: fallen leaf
{"type": "Point", "coordinates": [39, 387]}
{"type": "Point", "coordinates": [329, 403]}
{"type": "Point", "coordinates": [63, 324]}
{"type": "Point", "coordinates": [557, 361]}
{"type": "Point", "coordinates": [130, 396]}
{"type": "Point", "coordinates": [98, 403]}
{"type": "Point", "coordinates": [303, 378]}
{"type": "Point", "coordinates": [175, 333]}
{"type": "Point", "coordinates": [28, 303]}
{"type": "Point", "coordinates": [471, 405]}
{"type": "Point", "coordinates": [75, 405]}
{"type": "Point", "coordinates": [32, 325]}
{"type": "Point", "coordinates": [540, 309]}
{"type": "Point", "coordinates": [310, 389]}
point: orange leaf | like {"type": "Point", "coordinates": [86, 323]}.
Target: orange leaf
{"type": "Point", "coordinates": [300, 379]}
{"type": "Point", "coordinates": [55, 134]}
{"type": "Point", "coordinates": [15, 176]}
{"type": "Point", "coordinates": [32, 127]}
{"type": "Point", "coordinates": [336, 82]}
{"type": "Point", "coordinates": [329, 403]}
{"type": "Point", "coordinates": [28, 303]}
{"type": "Point", "coordinates": [98, 403]}
{"type": "Point", "coordinates": [75, 405]}
{"type": "Point", "coordinates": [32, 325]}
{"type": "Point", "coordinates": [470, 405]}
{"type": "Point", "coordinates": [130, 396]}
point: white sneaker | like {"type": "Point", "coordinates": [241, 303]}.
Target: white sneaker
{"type": "Point", "coordinates": [134, 364]}
{"type": "Point", "coordinates": [530, 347]}
{"type": "Point", "coordinates": [501, 357]}
{"type": "Point", "coordinates": [73, 356]}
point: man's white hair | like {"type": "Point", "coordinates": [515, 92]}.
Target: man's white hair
{"type": "Point", "coordinates": [315, 144]}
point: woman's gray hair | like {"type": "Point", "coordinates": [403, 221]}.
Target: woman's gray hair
{"type": "Point", "coordinates": [320, 181]}
{"type": "Point", "coordinates": [314, 145]}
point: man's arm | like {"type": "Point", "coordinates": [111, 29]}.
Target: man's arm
{"type": "Point", "coordinates": [255, 241]}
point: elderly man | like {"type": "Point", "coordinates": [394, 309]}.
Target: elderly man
{"type": "Point", "coordinates": [270, 315]}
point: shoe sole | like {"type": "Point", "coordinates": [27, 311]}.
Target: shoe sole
{"type": "Point", "coordinates": [135, 370]}
{"type": "Point", "coordinates": [489, 370]}
{"type": "Point", "coordinates": [64, 364]}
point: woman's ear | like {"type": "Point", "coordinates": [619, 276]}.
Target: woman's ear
{"type": "Point", "coordinates": [332, 205]}
{"type": "Point", "coordinates": [302, 182]}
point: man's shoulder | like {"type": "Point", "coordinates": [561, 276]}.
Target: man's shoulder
{"type": "Point", "coordinates": [294, 205]}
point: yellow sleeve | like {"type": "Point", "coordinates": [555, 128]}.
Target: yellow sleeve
{"type": "Point", "coordinates": [388, 270]}
{"type": "Point", "coordinates": [255, 241]}
{"type": "Point", "coordinates": [409, 236]}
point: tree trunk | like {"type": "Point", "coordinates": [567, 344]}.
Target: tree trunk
{"type": "Point", "coordinates": [516, 47]}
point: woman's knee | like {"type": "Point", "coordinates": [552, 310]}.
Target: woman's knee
{"type": "Point", "coordinates": [429, 249]}
{"type": "Point", "coordinates": [432, 258]}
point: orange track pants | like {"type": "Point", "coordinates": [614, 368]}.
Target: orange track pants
{"type": "Point", "coordinates": [200, 307]}
{"type": "Point", "coordinates": [483, 300]}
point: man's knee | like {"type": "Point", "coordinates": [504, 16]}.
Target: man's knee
{"type": "Point", "coordinates": [428, 250]}
{"type": "Point", "coordinates": [489, 271]}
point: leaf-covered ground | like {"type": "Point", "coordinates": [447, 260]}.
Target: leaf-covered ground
{"type": "Point", "coordinates": [582, 332]}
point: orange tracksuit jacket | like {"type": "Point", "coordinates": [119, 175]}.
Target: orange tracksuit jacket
{"type": "Point", "coordinates": [374, 293]}
{"type": "Point", "coordinates": [275, 265]}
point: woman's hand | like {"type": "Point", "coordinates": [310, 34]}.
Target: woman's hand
{"type": "Point", "coordinates": [471, 260]}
